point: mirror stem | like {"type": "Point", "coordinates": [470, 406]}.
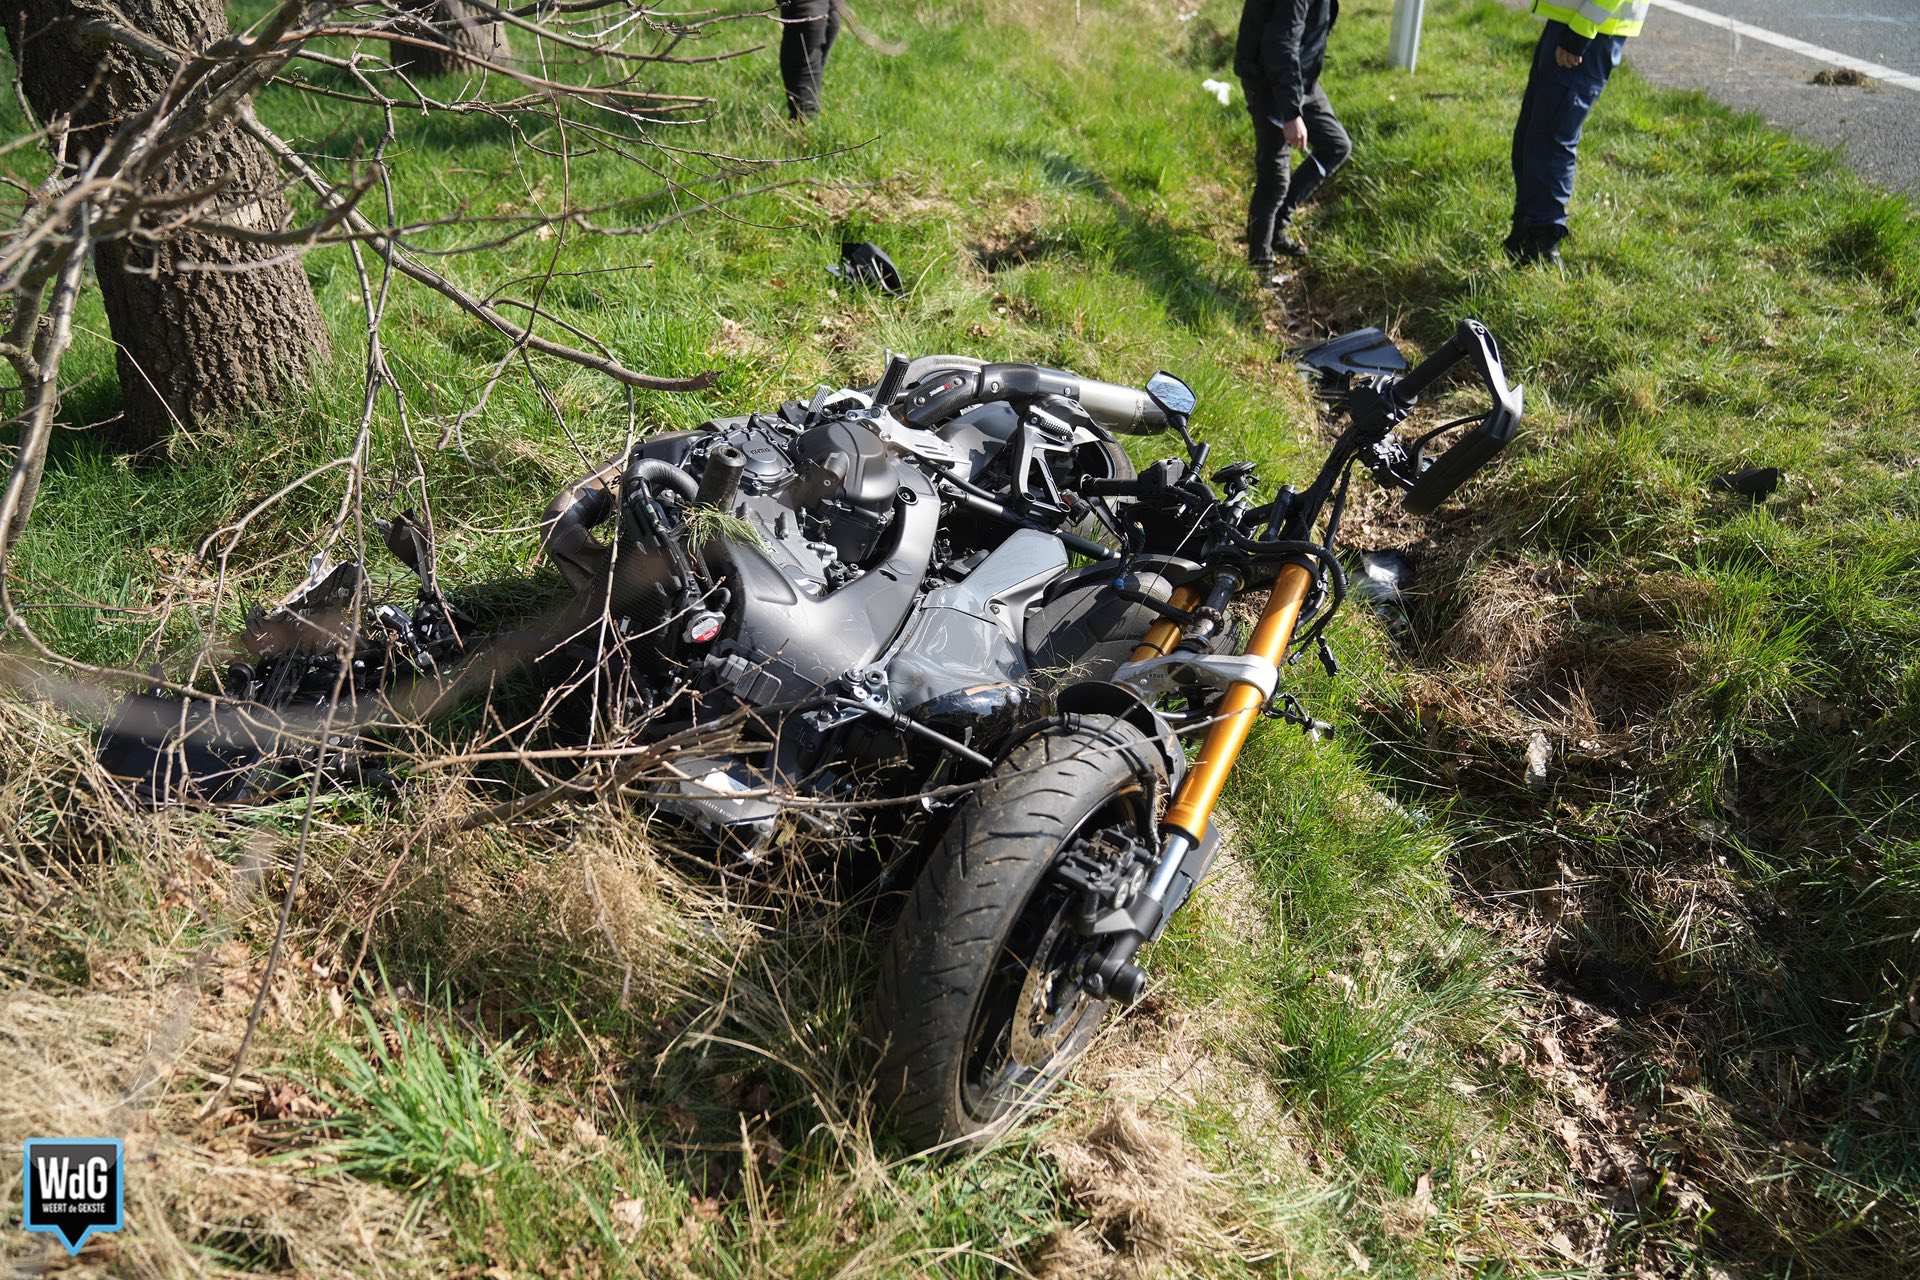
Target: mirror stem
{"type": "Point", "coordinates": [1196, 452]}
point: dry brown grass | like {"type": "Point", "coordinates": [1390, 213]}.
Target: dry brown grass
{"type": "Point", "coordinates": [121, 1003]}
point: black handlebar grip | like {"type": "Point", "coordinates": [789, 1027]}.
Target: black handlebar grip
{"type": "Point", "coordinates": [1455, 349]}
{"type": "Point", "coordinates": [891, 382]}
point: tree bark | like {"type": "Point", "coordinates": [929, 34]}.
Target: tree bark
{"type": "Point", "coordinates": [458, 34]}
{"type": "Point", "coordinates": [205, 325]}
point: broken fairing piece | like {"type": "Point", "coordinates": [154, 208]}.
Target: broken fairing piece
{"type": "Point", "coordinates": [1385, 576]}
{"type": "Point", "coordinates": [1363, 352]}
{"type": "Point", "coordinates": [1754, 483]}
{"type": "Point", "coordinates": [1382, 583]}
{"type": "Point", "coordinates": [863, 263]}
{"type": "Point", "coordinates": [1220, 89]}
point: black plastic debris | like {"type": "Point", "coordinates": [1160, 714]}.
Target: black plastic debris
{"type": "Point", "coordinates": [311, 672]}
{"type": "Point", "coordinates": [167, 749]}
{"type": "Point", "coordinates": [1756, 483]}
{"type": "Point", "coordinates": [868, 264]}
{"type": "Point", "coordinates": [1367, 352]}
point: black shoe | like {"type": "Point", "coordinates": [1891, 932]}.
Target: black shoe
{"type": "Point", "coordinates": [1283, 242]}
{"type": "Point", "coordinates": [1530, 245]}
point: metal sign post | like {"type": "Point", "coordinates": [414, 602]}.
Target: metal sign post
{"type": "Point", "coordinates": [1404, 45]}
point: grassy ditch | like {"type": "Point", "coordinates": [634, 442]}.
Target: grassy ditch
{"type": "Point", "coordinates": [1658, 1017]}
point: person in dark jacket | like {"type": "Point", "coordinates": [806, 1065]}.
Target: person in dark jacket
{"type": "Point", "coordinates": [809, 29]}
{"type": "Point", "coordinates": [1278, 57]}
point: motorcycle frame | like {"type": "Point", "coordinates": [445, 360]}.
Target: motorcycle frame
{"type": "Point", "coordinates": [1374, 406]}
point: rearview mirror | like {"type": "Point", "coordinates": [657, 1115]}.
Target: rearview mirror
{"type": "Point", "coordinates": [1175, 398]}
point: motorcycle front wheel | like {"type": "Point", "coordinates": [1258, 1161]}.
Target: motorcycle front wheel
{"type": "Point", "coordinates": [979, 1007]}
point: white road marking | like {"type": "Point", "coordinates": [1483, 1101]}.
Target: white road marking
{"type": "Point", "coordinates": [1885, 75]}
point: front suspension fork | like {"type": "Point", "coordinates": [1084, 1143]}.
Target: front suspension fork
{"type": "Point", "coordinates": [1190, 815]}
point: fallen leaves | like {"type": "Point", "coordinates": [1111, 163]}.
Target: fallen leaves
{"type": "Point", "coordinates": [1409, 1217]}
{"type": "Point", "coordinates": [736, 341]}
{"type": "Point", "coordinates": [630, 1216]}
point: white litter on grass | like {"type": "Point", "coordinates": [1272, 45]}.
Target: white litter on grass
{"type": "Point", "coordinates": [1539, 754]}
{"type": "Point", "coordinates": [1383, 584]}
{"type": "Point", "coordinates": [1189, 15]}
{"type": "Point", "coordinates": [1219, 89]}
{"type": "Point", "coordinates": [1386, 576]}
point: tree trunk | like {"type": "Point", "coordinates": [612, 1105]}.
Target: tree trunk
{"type": "Point", "coordinates": [458, 34]}
{"type": "Point", "coordinates": [194, 343]}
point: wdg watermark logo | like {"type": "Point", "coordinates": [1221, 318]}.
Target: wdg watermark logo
{"type": "Point", "coordinates": [72, 1187]}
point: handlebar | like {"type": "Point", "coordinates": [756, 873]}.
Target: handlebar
{"type": "Point", "coordinates": [930, 400]}
{"type": "Point", "coordinates": [1469, 338]}
{"type": "Point", "coordinates": [1434, 482]}
{"type": "Point", "coordinates": [1408, 387]}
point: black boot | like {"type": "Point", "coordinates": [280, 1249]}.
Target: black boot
{"type": "Point", "coordinates": [1529, 245]}
{"type": "Point", "coordinates": [1284, 242]}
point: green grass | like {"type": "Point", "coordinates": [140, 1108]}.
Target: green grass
{"type": "Point", "coordinates": [1725, 871]}
{"type": "Point", "coordinates": [418, 1110]}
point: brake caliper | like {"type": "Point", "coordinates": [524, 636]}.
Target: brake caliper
{"type": "Point", "coordinates": [1106, 872]}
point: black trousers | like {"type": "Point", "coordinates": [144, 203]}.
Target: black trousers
{"type": "Point", "coordinates": [806, 38]}
{"type": "Point", "coordinates": [1278, 191]}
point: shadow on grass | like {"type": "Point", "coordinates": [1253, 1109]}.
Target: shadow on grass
{"type": "Point", "coordinates": [1176, 266]}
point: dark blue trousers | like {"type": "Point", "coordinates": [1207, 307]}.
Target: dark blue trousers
{"type": "Point", "coordinates": [1547, 134]}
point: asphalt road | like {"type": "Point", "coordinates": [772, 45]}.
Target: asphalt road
{"type": "Point", "coordinates": [1877, 124]}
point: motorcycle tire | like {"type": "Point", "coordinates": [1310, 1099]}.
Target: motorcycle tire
{"type": "Point", "coordinates": [1086, 635]}
{"type": "Point", "coordinates": [984, 937]}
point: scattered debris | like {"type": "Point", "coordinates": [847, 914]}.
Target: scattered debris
{"type": "Point", "coordinates": [1844, 78]}
{"type": "Point", "coordinates": [864, 263]}
{"type": "Point", "coordinates": [1219, 89]}
{"type": "Point", "coordinates": [1756, 483]}
{"type": "Point", "coordinates": [1539, 752]}
{"type": "Point", "coordinates": [1386, 576]}
{"type": "Point", "coordinates": [1382, 583]}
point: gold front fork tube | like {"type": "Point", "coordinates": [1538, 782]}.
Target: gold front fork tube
{"type": "Point", "coordinates": [1239, 707]}
{"type": "Point", "coordinates": [1164, 634]}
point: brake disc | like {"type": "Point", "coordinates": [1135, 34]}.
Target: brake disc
{"type": "Point", "coordinates": [1037, 1030]}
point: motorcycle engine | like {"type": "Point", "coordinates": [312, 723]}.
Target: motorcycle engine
{"type": "Point", "coordinates": [819, 499]}
{"type": "Point", "coordinates": [827, 546]}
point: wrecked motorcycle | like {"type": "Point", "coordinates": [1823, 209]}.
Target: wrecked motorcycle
{"type": "Point", "coordinates": [878, 589]}
{"type": "Point", "coordinates": [1092, 828]}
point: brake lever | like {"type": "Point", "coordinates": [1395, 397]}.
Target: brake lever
{"type": "Point", "coordinates": [1388, 461]}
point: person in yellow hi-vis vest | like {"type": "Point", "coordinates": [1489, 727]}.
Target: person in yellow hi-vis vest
{"type": "Point", "coordinates": [1577, 52]}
